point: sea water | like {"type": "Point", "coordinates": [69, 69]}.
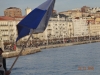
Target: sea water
{"type": "Point", "coordinates": [81, 59]}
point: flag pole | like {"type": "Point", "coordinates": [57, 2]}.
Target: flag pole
{"type": "Point", "coordinates": [20, 52]}
{"type": "Point", "coordinates": [48, 6]}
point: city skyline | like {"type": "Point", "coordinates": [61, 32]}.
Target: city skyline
{"type": "Point", "coordinates": [60, 5]}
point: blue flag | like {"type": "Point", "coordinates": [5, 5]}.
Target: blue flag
{"type": "Point", "coordinates": [36, 20]}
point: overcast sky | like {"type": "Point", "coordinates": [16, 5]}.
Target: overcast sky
{"type": "Point", "coordinates": [60, 5]}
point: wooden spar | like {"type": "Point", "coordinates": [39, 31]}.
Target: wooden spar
{"type": "Point", "coordinates": [31, 32]}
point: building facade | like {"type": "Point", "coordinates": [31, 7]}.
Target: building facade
{"type": "Point", "coordinates": [80, 27]}
{"type": "Point", "coordinates": [13, 12]}
{"type": "Point", "coordinates": [8, 32]}
{"type": "Point", "coordinates": [56, 29]}
{"type": "Point", "coordinates": [28, 10]}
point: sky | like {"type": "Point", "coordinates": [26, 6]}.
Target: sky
{"type": "Point", "coordinates": [60, 5]}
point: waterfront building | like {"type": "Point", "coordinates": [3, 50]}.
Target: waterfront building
{"type": "Point", "coordinates": [94, 9]}
{"type": "Point", "coordinates": [13, 12]}
{"type": "Point", "coordinates": [94, 27]}
{"type": "Point", "coordinates": [56, 29]}
{"type": "Point", "coordinates": [59, 27]}
{"type": "Point", "coordinates": [8, 32]}
{"type": "Point", "coordinates": [80, 27]}
{"type": "Point", "coordinates": [85, 9]}
{"type": "Point", "coordinates": [70, 28]}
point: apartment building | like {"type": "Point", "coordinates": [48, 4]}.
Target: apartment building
{"type": "Point", "coordinates": [80, 27]}
{"type": "Point", "coordinates": [85, 9]}
{"type": "Point", "coordinates": [94, 27]}
{"type": "Point", "coordinates": [70, 28]}
{"type": "Point", "coordinates": [94, 9]}
{"type": "Point", "coordinates": [8, 32]}
{"type": "Point", "coordinates": [56, 29]}
{"type": "Point", "coordinates": [12, 12]}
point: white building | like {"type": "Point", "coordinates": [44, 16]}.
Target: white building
{"type": "Point", "coordinates": [94, 10]}
{"type": "Point", "coordinates": [56, 29]}
{"type": "Point", "coordinates": [8, 30]}
{"type": "Point", "coordinates": [80, 27]}
{"type": "Point", "coordinates": [70, 31]}
{"type": "Point", "coordinates": [27, 10]}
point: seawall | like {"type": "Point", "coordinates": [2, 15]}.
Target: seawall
{"type": "Point", "coordinates": [26, 51]}
{"type": "Point", "coordinates": [33, 50]}
{"type": "Point", "coordinates": [67, 44]}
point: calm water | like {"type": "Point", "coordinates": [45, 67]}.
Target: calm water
{"type": "Point", "coordinates": [72, 60]}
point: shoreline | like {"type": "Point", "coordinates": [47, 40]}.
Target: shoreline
{"type": "Point", "coordinates": [33, 50]}
{"type": "Point", "coordinates": [26, 51]}
{"type": "Point", "coordinates": [68, 44]}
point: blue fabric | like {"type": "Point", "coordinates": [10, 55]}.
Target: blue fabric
{"type": "Point", "coordinates": [22, 31]}
{"type": "Point", "coordinates": [35, 19]}
{"type": "Point", "coordinates": [31, 21]}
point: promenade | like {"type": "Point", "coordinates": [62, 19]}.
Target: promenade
{"type": "Point", "coordinates": [26, 51]}
{"type": "Point", "coordinates": [67, 44]}
{"type": "Point", "coordinates": [33, 50]}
